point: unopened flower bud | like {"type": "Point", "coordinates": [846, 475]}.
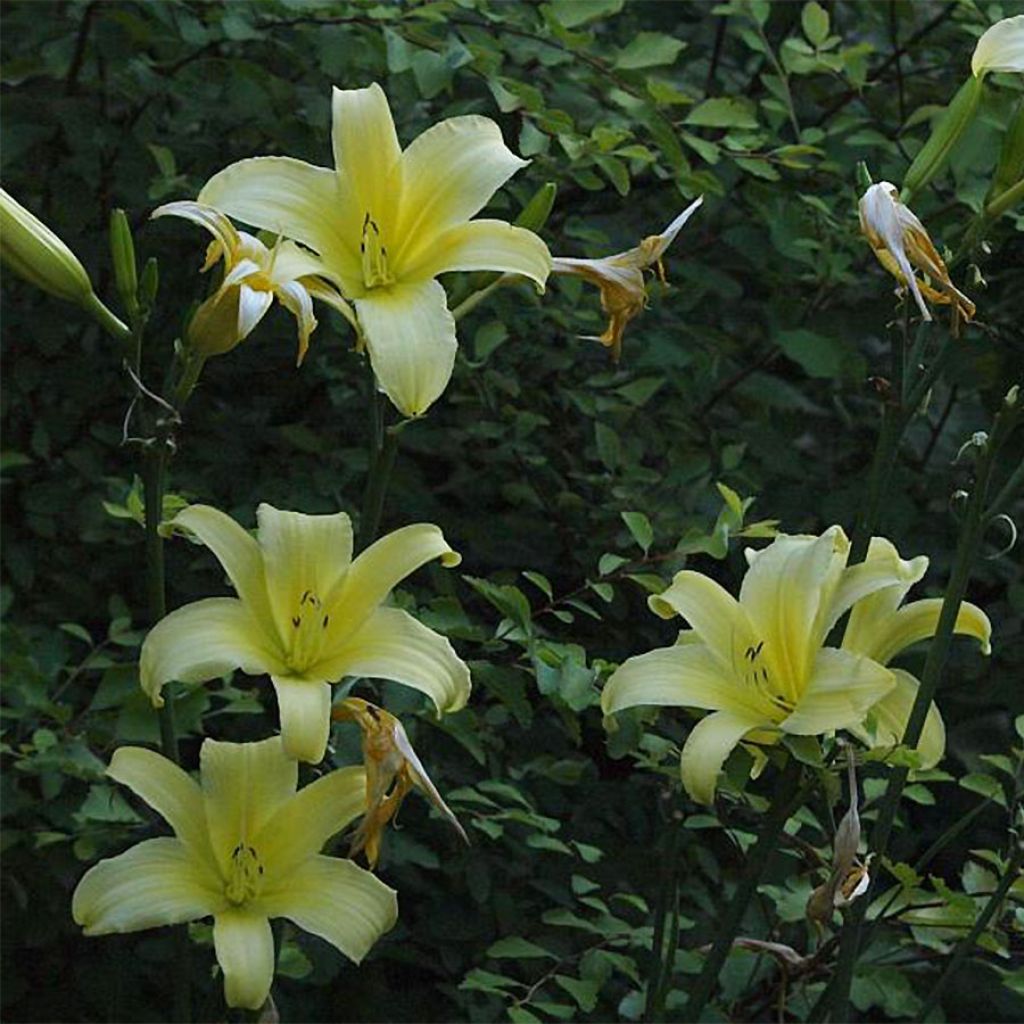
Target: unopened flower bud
{"type": "Point", "coordinates": [35, 253]}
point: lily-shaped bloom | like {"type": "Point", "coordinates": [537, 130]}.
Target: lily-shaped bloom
{"type": "Point", "coordinates": [385, 222]}
{"type": "Point", "coordinates": [245, 849]}
{"type": "Point", "coordinates": [1001, 48]}
{"type": "Point", "coordinates": [759, 663]}
{"type": "Point", "coordinates": [253, 277]}
{"type": "Point", "coordinates": [307, 614]}
{"type": "Point", "coordinates": [900, 243]}
{"type": "Point", "coordinates": [392, 769]}
{"type": "Point", "coordinates": [621, 278]}
{"type": "Point", "coordinates": [880, 627]}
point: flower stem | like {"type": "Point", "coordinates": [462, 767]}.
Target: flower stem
{"type": "Point", "coordinates": [383, 449]}
{"type": "Point", "coordinates": [789, 795]}
{"type": "Point", "coordinates": [971, 534]}
{"type": "Point", "coordinates": [118, 330]}
{"type": "Point", "coordinates": [661, 966]}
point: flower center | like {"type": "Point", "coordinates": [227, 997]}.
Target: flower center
{"type": "Point", "coordinates": [758, 676]}
{"type": "Point", "coordinates": [374, 255]}
{"type": "Point", "coordinates": [245, 877]}
{"type": "Point", "coordinates": [308, 628]}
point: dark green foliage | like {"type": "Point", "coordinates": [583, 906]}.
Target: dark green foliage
{"type": "Point", "coordinates": [573, 487]}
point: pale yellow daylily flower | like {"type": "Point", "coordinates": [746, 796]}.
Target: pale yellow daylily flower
{"type": "Point", "coordinates": [759, 663]}
{"type": "Point", "coordinates": [306, 614]}
{"type": "Point", "coordinates": [392, 769]}
{"type": "Point", "coordinates": [1001, 48]}
{"type": "Point", "coordinates": [246, 848]}
{"type": "Point", "coordinates": [880, 627]}
{"type": "Point", "coordinates": [385, 222]}
{"type": "Point", "coordinates": [621, 278]}
{"type": "Point", "coordinates": [253, 277]}
{"type": "Point", "coordinates": [900, 242]}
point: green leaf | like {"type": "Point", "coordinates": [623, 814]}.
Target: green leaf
{"type": "Point", "coordinates": [648, 50]}
{"type": "Point", "coordinates": [608, 563]}
{"type": "Point", "coordinates": [583, 991]}
{"type": "Point", "coordinates": [540, 580]}
{"type": "Point", "coordinates": [814, 19]}
{"type": "Point", "coordinates": [573, 13]}
{"type": "Point", "coordinates": [723, 112]}
{"type": "Point", "coordinates": [515, 947]}
{"type": "Point", "coordinates": [640, 527]}
{"type": "Point", "coordinates": [820, 356]}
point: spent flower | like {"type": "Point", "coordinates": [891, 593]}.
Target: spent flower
{"type": "Point", "coordinates": [253, 277]}
{"type": "Point", "coordinates": [621, 277]}
{"type": "Point", "coordinates": [392, 770]}
{"type": "Point", "coordinates": [900, 242]}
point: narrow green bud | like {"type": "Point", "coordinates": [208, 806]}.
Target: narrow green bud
{"type": "Point", "coordinates": [864, 181]}
{"type": "Point", "coordinates": [536, 212]}
{"type": "Point", "coordinates": [952, 123]}
{"type": "Point", "coordinates": [149, 283]}
{"type": "Point", "coordinates": [122, 252]}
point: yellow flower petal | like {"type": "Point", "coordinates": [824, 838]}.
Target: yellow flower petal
{"type": "Point", "coordinates": [841, 688]}
{"type": "Point", "coordinates": [304, 708]}
{"type": "Point", "coordinates": [410, 335]}
{"type": "Point", "coordinates": [449, 174]}
{"type": "Point", "coordinates": [169, 790]}
{"type": "Point", "coordinates": [244, 946]}
{"type": "Point", "coordinates": [367, 155]}
{"type": "Point", "coordinates": [1001, 47]}
{"type": "Point", "coordinates": [300, 827]}
{"type": "Point", "coordinates": [915, 622]}
{"type": "Point", "coordinates": [787, 592]}
{"type": "Point", "coordinates": [243, 786]}
{"type": "Point", "coordinates": [483, 245]}
{"type": "Point", "coordinates": [380, 568]}
{"type": "Point", "coordinates": [716, 616]}
{"type": "Point", "coordinates": [876, 586]}
{"type": "Point", "coordinates": [304, 557]}
{"type": "Point", "coordinates": [710, 742]}
{"type": "Point", "coordinates": [237, 551]}
{"type": "Point", "coordinates": [252, 308]}
{"type": "Point", "coordinates": [223, 231]}
{"type": "Point", "coordinates": [202, 641]}
{"type": "Point", "coordinates": [681, 676]}
{"type": "Point", "coordinates": [154, 883]}
{"type": "Point", "coordinates": [891, 714]}
{"type": "Point", "coordinates": [391, 644]}
{"type": "Point", "coordinates": [290, 198]}
{"type": "Point", "coordinates": [337, 900]}
{"type": "Point", "coordinates": [297, 300]}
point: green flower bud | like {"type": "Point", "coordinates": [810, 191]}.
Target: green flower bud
{"type": "Point", "coordinates": [536, 212]}
{"type": "Point", "coordinates": [35, 253]}
{"type": "Point", "coordinates": [122, 251]}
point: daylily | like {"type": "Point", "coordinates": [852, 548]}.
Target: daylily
{"type": "Point", "coordinates": [900, 243]}
{"type": "Point", "coordinates": [253, 277]}
{"type": "Point", "coordinates": [1001, 47]}
{"type": "Point", "coordinates": [759, 663]}
{"type": "Point", "coordinates": [880, 627]}
{"type": "Point", "coordinates": [385, 222]}
{"type": "Point", "coordinates": [621, 278]}
{"type": "Point", "coordinates": [245, 849]}
{"type": "Point", "coordinates": [307, 614]}
{"type": "Point", "coordinates": [392, 769]}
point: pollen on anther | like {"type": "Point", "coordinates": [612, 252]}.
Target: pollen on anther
{"type": "Point", "coordinates": [296, 621]}
{"type": "Point", "coordinates": [326, 620]}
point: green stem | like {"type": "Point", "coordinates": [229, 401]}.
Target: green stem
{"type": "Point", "coordinates": [654, 1005]}
{"type": "Point", "coordinates": [383, 449]}
{"type": "Point", "coordinates": [118, 330]}
{"type": "Point", "coordinates": [970, 940]}
{"type": "Point", "coordinates": [472, 301]}
{"type": "Point", "coordinates": [971, 534]}
{"type": "Point", "coordinates": [789, 795]}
